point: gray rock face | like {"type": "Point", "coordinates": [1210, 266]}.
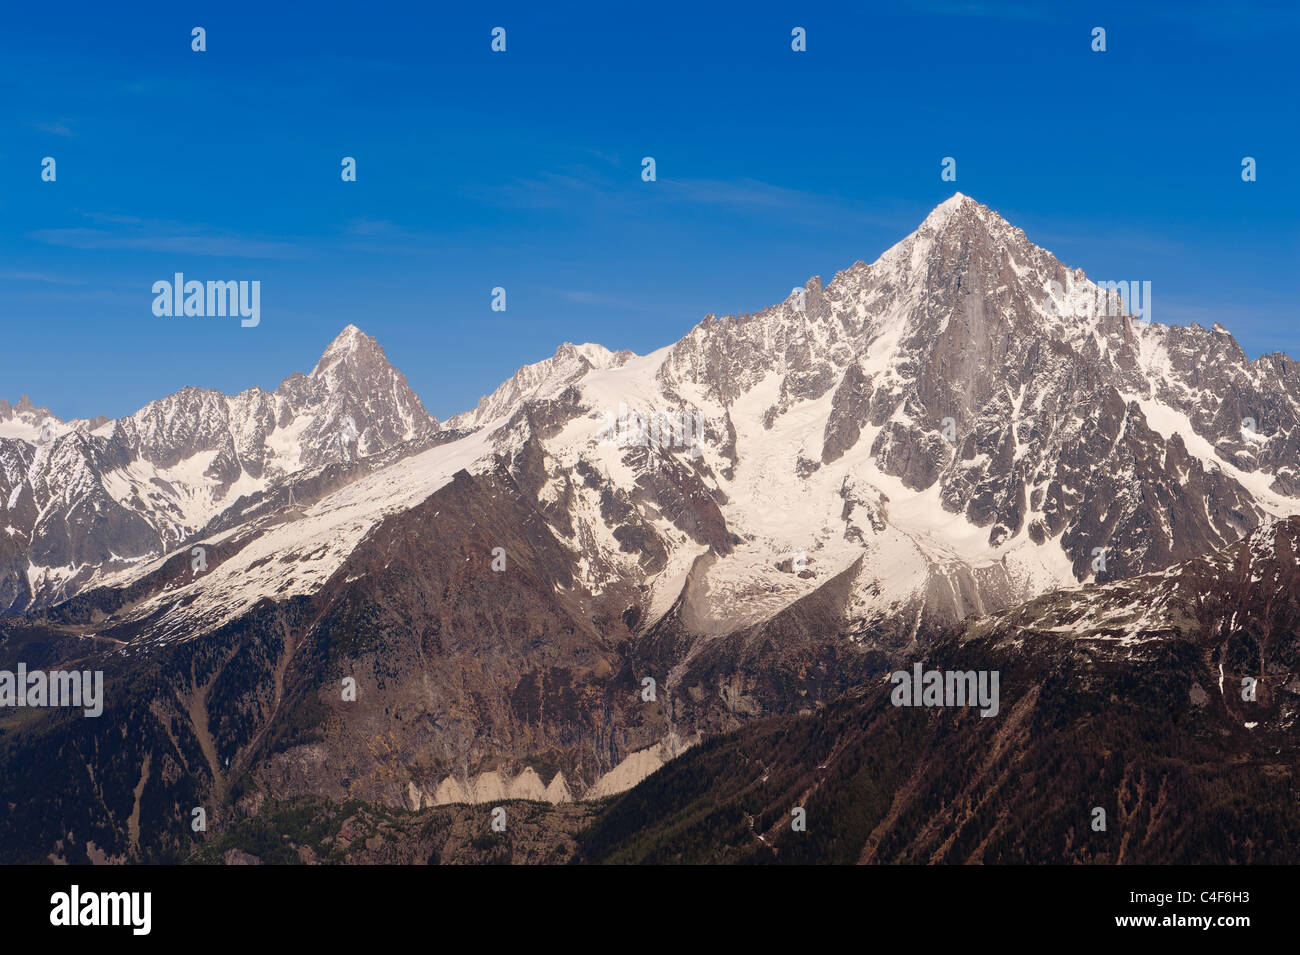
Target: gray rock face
{"type": "Point", "coordinates": [1021, 389]}
{"type": "Point", "coordinates": [850, 410]}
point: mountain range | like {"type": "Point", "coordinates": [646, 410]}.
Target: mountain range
{"type": "Point", "coordinates": [964, 449]}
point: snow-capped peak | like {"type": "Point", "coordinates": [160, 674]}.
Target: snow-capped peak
{"type": "Point", "coordinates": [540, 379]}
{"type": "Point", "coordinates": [130, 490]}
{"type": "Point", "coordinates": [943, 210]}
{"type": "Point", "coordinates": [351, 343]}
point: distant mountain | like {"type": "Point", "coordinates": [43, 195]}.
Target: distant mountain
{"type": "Point", "coordinates": [569, 364]}
{"type": "Point", "coordinates": [25, 420]}
{"type": "Point", "coordinates": [613, 557]}
{"type": "Point", "coordinates": [89, 499]}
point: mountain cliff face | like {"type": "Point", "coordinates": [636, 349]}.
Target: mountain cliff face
{"type": "Point", "coordinates": [974, 395]}
{"type": "Point", "coordinates": [758, 519]}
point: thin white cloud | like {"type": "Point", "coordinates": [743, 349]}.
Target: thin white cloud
{"type": "Point", "coordinates": [145, 235]}
{"type": "Point", "coordinates": [43, 278]}
{"type": "Point", "coordinates": [58, 128]}
{"type": "Point", "coordinates": [582, 189]}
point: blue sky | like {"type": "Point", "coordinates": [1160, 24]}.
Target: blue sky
{"type": "Point", "coordinates": [522, 170]}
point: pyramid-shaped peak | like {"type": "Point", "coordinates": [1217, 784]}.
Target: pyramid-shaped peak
{"type": "Point", "coordinates": [351, 343]}
{"type": "Point", "coordinates": [350, 339]}
{"type": "Point", "coordinates": [355, 380]}
{"type": "Point", "coordinates": [961, 216]}
{"type": "Point", "coordinates": [958, 218]}
{"type": "Point", "coordinates": [958, 204]}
